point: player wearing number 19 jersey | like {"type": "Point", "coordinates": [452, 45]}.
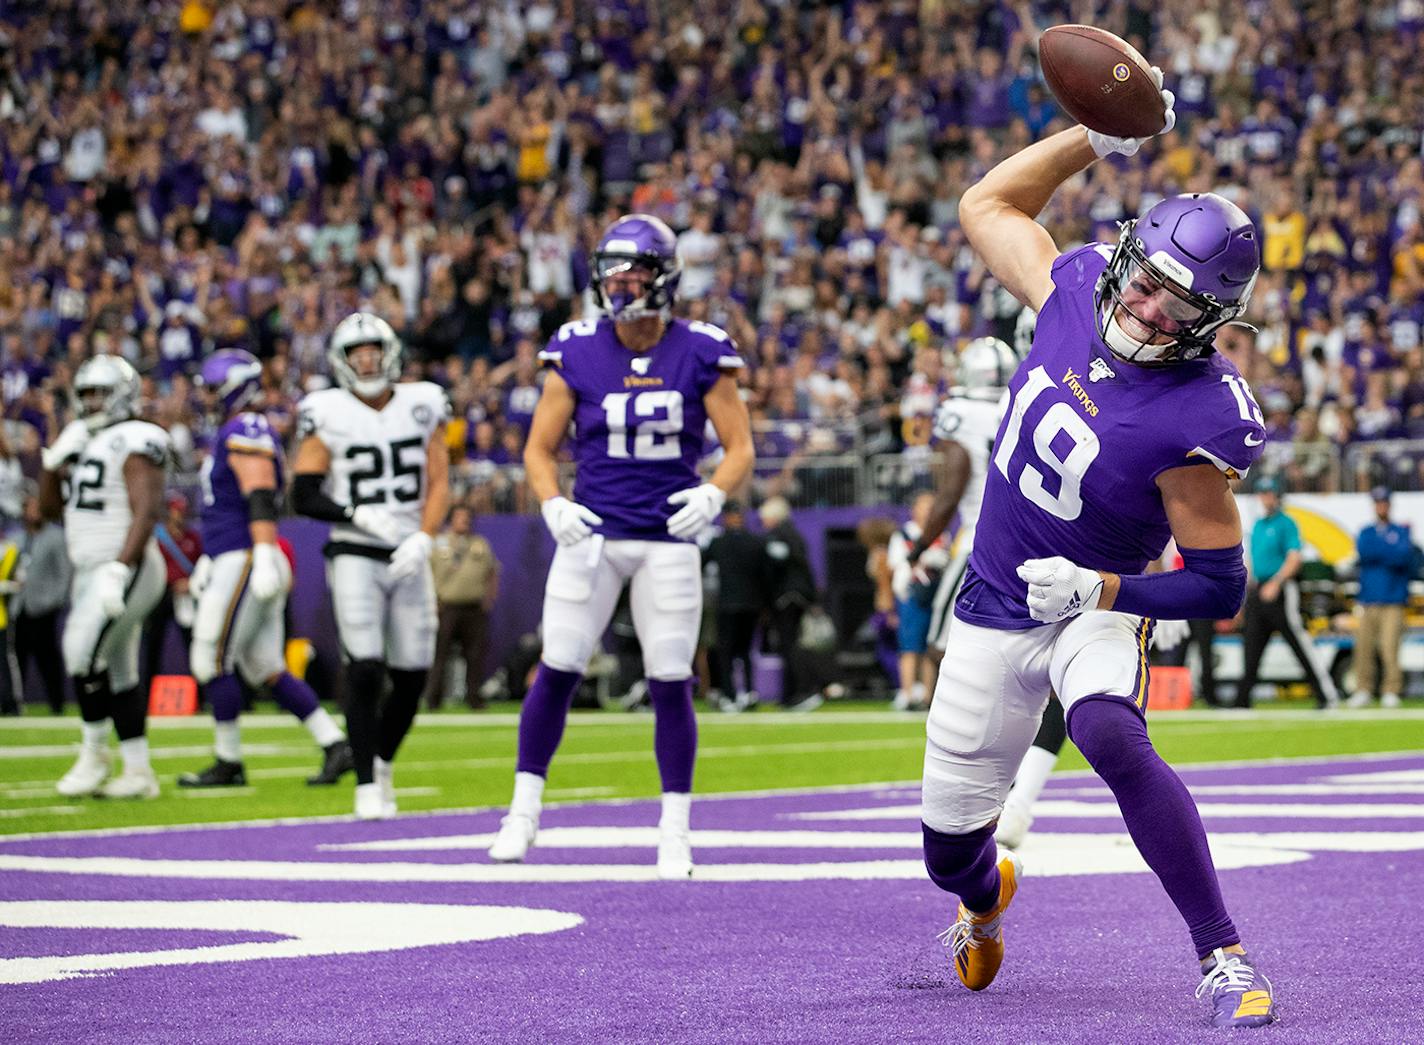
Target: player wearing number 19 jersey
{"type": "Point", "coordinates": [639, 388]}
{"type": "Point", "coordinates": [1122, 430]}
{"type": "Point", "coordinates": [372, 462]}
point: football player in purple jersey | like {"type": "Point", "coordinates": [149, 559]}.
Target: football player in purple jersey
{"type": "Point", "coordinates": [1123, 429]}
{"type": "Point", "coordinates": [242, 580]}
{"type": "Point", "coordinates": [639, 388]}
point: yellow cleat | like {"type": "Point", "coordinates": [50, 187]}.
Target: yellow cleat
{"type": "Point", "coordinates": [976, 941]}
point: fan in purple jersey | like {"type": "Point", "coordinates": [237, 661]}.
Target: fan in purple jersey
{"type": "Point", "coordinates": [241, 582]}
{"type": "Point", "coordinates": [1122, 430]}
{"type": "Point", "coordinates": [639, 388]}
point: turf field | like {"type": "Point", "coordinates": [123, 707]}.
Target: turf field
{"type": "Point", "coordinates": [809, 918]}
{"type": "Point", "coordinates": [456, 760]}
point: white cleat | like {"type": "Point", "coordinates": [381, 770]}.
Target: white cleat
{"type": "Point", "coordinates": [384, 775]}
{"type": "Point", "coordinates": [1014, 823]}
{"type": "Point", "coordinates": [1358, 700]}
{"type": "Point", "coordinates": [132, 784]}
{"type": "Point", "coordinates": [88, 773]}
{"type": "Point", "coordinates": [369, 804]}
{"type": "Point", "coordinates": [674, 855]}
{"type": "Point", "coordinates": [516, 835]}
{"type": "Point", "coordinates": [1390, 700]}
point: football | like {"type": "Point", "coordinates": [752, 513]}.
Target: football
{"type": "Point", "coordinates": [1101, 81]}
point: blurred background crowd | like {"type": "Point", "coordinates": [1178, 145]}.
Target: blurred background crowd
{"type": "Point", "coordinates": [176, 178]}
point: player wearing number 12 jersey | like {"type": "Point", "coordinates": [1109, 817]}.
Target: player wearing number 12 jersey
{"type": "Point", "coordinates": [638, 387]}
{"type": "Point", "coordinates": [1122, 430]}
{"type": "Point", "coordinates": [372, 461]}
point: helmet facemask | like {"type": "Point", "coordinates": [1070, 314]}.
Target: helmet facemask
{"type": "Point", "coordinates": [105, 392]}
{"type": "Point", "coordinates": [1147, 313]}
{"type": "Point", "coordinates": [357, 331]}
{"type": "Point", "coordinates": [624, 306]}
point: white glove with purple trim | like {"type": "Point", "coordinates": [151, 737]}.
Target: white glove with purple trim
{"type": "Point", "coordinates": [1057, 589]}
{"type": "Point", "coordinates": [700, 507]}
{"type": "Point", "coordinates": [1106, 144]}
{"type": "Point", "coordinates": [568, 521]}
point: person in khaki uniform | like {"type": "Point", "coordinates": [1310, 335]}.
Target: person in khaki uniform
{"type": "Point", "coordinates": [1386, 562]}
{"type": "Point", "coordinates": [466, 582]}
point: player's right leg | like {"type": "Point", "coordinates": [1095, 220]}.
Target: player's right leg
{"type": "Point", "coordinates": [987, 704]}
{"type": "Point", "coordinates": [1032, 775]}
{"type": "Point", "coordinates": [358, 587]}
{"type": "Point", "coordinates": [223, 618]}
{"type": "Point", "coordinates": [83, 628]}
{"type": "Point", "coordinates": [579, 598]}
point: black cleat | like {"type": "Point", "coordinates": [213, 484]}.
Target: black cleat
{"type": "Point", "coordinates": [336, 763]}
{"type": "Point", "coordinates": [219, 774]}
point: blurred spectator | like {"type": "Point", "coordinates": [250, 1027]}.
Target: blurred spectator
{"type": "Point", "coordinates": [790, 589]}
{"type": "Point", "coordinates": [181, 545]}
{"type": "Point", "coordinates": [1387, 560]}
{"type": "Point", "coordinates": [44, 562]}
{"type": "Point", "coordinates": [466, 583]}
{"type": "Point", "coordinates": [738, 559]}
{"type": "Point", "coordinates": [1273, 602]}
{"type": "Point", "coordinates": [11, 696]}
{"type": "Point", "coordinates": [914, 591]}
{"type": "Point", "coordinates": [12, 484]}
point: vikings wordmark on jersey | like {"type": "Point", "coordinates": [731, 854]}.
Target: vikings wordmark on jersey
{"type": "Point", "coordinates": [638, 414]}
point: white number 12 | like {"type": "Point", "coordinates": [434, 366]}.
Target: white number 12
{"type": "Point", "coordinates": [1061, 417]}
{"type": "Point", "coordinates": [655, 439]}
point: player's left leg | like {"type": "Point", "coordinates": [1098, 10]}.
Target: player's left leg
{"type": "Point", "coordinates": [411, 625]}
{"type": "Point", "coordinates": [84, 627]}
{"type": "Point", "coordinates": [666, 599]}
{"type": "Point", "coordinates": [1032, 775]}
{"type": "Point", "coordinates": [358, 585]}
{"type": "Point", "coordinates": [1099, 671]}
{"type": "Point", "coordinates": [120, 649]}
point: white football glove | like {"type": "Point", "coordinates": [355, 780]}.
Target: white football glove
{"type": "Point", "coordinates": [68, 445]}
{"type": "Point", "coordinates": [267, 580]}
{"type": "Point", "coordinates": [700, 507]}
{"type": "Point", "coordinates": [1106, 144]}
{"type": "Point", "coordinates": [111, 581]}
{"type": "Point", "coordinates": [1057, 589]}
{"type": "Point", "coordinates": [1169, 634]}
{"type": "Point", "coordinates": [378, 522]}
{"type": "Point", "coordinates": [201, 575]}
{"type": "Point", "coordinates": [410, 555]}
{"type": "Point", "coordinates": [568, 521]}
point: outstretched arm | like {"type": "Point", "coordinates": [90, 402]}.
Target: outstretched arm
{"type": "Point", "coordinates": [956, 477]}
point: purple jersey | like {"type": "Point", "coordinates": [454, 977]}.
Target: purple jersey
{"type": "Point", "coordinates": [225, 522]}
{"type": "Point", "coordinates": [1086, 434]}
{"type": "Point", "coordinates": [638, 418]}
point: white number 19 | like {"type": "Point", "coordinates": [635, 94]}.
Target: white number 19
{"type": "Point", "coordinates": [1061, 417]}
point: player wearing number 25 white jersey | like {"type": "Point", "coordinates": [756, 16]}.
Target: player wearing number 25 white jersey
{"type": "Point", "coordinates": [638, 387]}
{"type": "Point", "coordinates": [115, 467]}
{"type": "Point", "coordinates": [372, 462]}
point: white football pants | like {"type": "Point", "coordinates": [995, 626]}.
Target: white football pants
{"type": "Point", "coordinates": [380, 618]}
{"type": "Point", "coordinates": [93, 642]}
{"type": "Point", "coordinates": [232, 631]}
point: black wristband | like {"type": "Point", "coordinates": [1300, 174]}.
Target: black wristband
{"type": "Point", "coordinates": [262, 506]}
{"type": "Point", "coordinates": [917, 549]}
{"type": "Point", "coordinates": [308, 500]}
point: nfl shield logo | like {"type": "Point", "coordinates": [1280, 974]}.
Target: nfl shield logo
{"type": "Point", "coordinates": [640, 364]}
{"type": "Point", "coordinates": [1099, 369]}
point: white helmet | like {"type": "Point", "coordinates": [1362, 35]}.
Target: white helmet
{"type": "Point", "coordinates": [986, 362]}
{"type": "Point", "coordinates": [364, 328]}
{"type": "Point", "coordinates": [116, 378]}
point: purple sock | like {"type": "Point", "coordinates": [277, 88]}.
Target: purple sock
{"type": "Point", "coordinates": [1160, 814]}
{"type": "Point", "coordinates": [541, 720]}
{"type": "Point", "coordinates": [966, 865]}
{"type": "Point", "coordinates": [294, 695]}
{"type": "Point", "coordinates": [674, 732]}
{"type": "Point", "coordinates": [224, 695]}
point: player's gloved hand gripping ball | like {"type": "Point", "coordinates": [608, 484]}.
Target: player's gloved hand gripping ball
{"type": "Point", "coordinates": [567, 521]}
{"type": "Point", "coordinates": [1057, 589]}
{"type": "Point", "coordinates": [1106, 144]}
{"type": "Point", "coordinates": [700, 507]}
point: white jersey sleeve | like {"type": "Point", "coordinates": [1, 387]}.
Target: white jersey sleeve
{"type": "Point", "coordinates": [97, 515]}
{"type": "Point", "coordinates": [378, 457]}
{"type": "Point", "coordinates": [972, 420]}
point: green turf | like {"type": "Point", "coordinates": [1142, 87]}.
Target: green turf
{"type": "Point", "coordinates": [456, 760]}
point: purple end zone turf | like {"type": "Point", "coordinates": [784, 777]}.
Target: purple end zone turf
{"type": "Point", "coordinates": [1323, 869]}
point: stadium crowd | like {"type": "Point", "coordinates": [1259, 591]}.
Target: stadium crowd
{"type": "Point", "coordinates": [180, 178]}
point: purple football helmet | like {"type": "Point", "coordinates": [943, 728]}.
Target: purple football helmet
{"type": "Point", "coordinates": [1180, 271]}
{"type": "Point", "coordinates": [235, 375]}
{"type": "Point", "coordinates": [636, 241]}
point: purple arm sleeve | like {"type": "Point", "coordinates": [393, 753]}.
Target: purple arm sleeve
{"type": "Point", "coordinates": [1212, 587]}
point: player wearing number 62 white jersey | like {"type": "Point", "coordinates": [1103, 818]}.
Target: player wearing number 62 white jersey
{"type": "Point", "coordinates": [115, 467]}
{"type": "Point", "coordinates": [638, 387]}
{"type": "Point", "coordinates": [371, 460]}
